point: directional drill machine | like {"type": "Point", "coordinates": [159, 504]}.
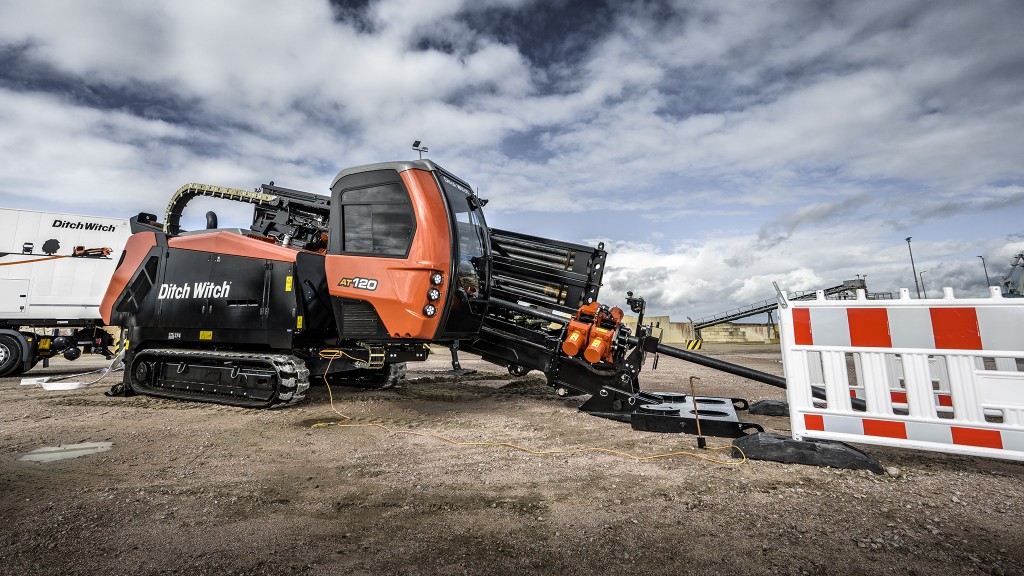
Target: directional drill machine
{"type": "Point", "coordinates": [352, 286]}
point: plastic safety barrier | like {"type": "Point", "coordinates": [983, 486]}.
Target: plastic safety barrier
{"type": "Point", "coordinates": [941, 374]}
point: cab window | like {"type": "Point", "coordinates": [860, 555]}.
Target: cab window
{"type": "Point", "coordinates": [377, 220]}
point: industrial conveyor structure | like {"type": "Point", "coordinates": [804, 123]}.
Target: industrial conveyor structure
{"type": "Point", "coordinates": [1013, 283]}
{"type": "Point", "coordinates": [846, 290]}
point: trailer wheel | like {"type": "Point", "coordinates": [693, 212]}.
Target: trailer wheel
{"type": "Point", "coordinates": [10, 356]}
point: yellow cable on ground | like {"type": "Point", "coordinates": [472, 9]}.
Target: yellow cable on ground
{"type": "Point", "coordinates": [335, 354]}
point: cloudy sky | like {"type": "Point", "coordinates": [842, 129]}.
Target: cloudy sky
{"type": "Point", "coordinates": [713, 146]}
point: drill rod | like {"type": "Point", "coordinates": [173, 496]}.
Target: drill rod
{"type": "Point", "coordinates": [763, 377]}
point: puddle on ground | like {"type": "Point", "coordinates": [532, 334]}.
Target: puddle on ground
{"type": "Point", "coordinates": [66, 451]}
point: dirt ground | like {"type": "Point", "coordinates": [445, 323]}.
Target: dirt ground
{"type": "Point", "coordinates": [193, 488]}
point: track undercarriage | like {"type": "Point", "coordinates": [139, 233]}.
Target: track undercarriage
{"type": "Point", "coordinates": [246, 379]}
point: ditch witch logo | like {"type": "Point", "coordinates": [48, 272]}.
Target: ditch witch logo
{"type": "Point", "coordinates": [194, 290]}
{"type": "Point", "coordinates": [68, 224]}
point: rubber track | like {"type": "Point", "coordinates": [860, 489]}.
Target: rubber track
{"type": "Point", "coordinates": [291, 390]}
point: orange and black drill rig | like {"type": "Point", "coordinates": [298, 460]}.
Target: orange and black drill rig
{"type": "Point", "coordinates": [350, 287]}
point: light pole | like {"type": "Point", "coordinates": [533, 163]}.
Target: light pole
{"type": "Point", "coordinates": [913, 268]}
{"type": "Point", "coordinates": [984, 267]}
{"type": "Point", "coordinates": [923, 289]}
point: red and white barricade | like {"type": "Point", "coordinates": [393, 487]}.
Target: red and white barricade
{"type": "Point", "coordinates": [943, 374]}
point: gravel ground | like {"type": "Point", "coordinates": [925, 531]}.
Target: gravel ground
{"type": "Point", "coordinates": [193, 488]}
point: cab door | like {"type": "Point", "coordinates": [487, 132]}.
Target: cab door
{"type": "Point", "coordinates": [390, 239]}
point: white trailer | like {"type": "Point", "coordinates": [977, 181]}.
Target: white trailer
{"type": "Point", "coordinates": [54, 270]}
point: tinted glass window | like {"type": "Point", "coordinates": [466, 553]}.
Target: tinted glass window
{"type": "Point", "coordinates": [377, 220]}
{"type": "Point", "coordinates": [385, 194]}
{"type": "Point", "coordinates": [357, 222]}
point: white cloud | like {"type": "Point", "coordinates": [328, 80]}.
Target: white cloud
{"type": "Point", "coordinates": [794, 142]}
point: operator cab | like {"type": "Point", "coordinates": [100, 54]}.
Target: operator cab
{"type": "Point", "coordinates": [408, 254]}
